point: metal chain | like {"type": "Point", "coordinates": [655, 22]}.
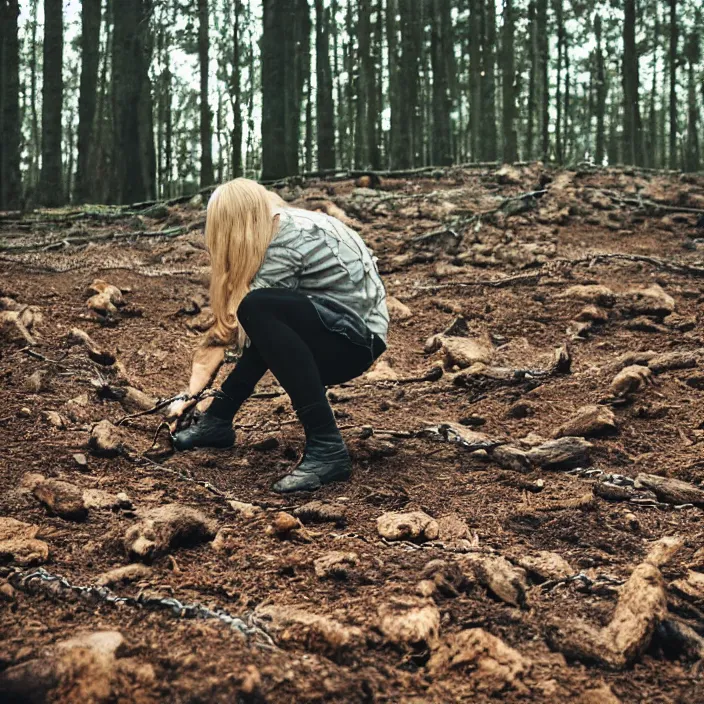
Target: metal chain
{"type": "Point", "coordinates": [41, 580]}
{"type": "Point", "coordinates": [588, 582]}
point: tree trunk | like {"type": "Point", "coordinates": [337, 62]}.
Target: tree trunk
{"type": "Point", "coordinates": [488, 120]}
{"type": "Point", "coordinates": [50, 181]}
{"type": "Point", "coordinates": [601, 89]}
{"type": "Point", "coordinates": [410, 81]}
{"type": "Point", "coordinates": [369, 70]}
{"type": "Point", "coordinates": [543, 58]}
{"type": "Point", "coordinates": [34, 125]}
{"type": "Point", "coordinates": [395, 85]}
{"type": "Point", "coordinates": [441, 46]}
{"type": "Point", "coordinates": [532, 98]}
{"type": "Point", "coordinates": [510, 141]}
{"type": "Point", "coordinates": [632, 128]}
{"type": "Point", "coordinates": [363, 33]}
{"type": "Point", "coordinates": [691, 157]}
{"type": "Point", "coordinates": [206, 128]}
{"type": "Point", "coordinates": [475, 76]}
{"type": "Point", "coordinates": [673, 84]}
{"type": "Point", "coordinates": [559, 155]}
{"type": "Point", "coordinates": [236, 91]}
{"type": "Point", "coordinates": [130, 105]}
{"type": "Point", "coordinates": [10, 179]}
{"type": "Point", "coordinates": [325, 107]}
{"type": "Point", "coordinates": [87, 101]}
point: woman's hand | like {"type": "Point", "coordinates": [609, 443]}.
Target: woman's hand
{"type": "Point", "coordinates": [206, 363]}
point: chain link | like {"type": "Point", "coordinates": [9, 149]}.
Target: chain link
{"type": "Point", "coordinates": [40, 580]}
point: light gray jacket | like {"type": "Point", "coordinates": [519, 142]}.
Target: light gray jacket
{"type": "Point", "coordinates": [321, 257]}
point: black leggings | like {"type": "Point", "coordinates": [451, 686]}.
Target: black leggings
{"type": "Point", "coordinates": [287, 336]}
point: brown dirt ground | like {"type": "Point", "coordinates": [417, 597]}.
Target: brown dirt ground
{"type": "Point", "coordinates": [660, 431]}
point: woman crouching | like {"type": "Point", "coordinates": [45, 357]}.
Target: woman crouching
{"type": "Point", "coordinates": [299, 294]}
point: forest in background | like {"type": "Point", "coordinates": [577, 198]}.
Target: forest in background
{"type": "Point", "coordinates": [93, 107]}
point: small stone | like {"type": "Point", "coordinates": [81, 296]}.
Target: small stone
{"type": "Point", "coordinates": [410, 621]}
{"type": "Point", "coordinates": [321, 512]}
{"type": "Point", "coordinates": [592, 313]}
{"type": "Point", "coordinates": [631, 379]}
{"type": "Point", "coordinates": [592, 293]}
{"type": "Point", "coordinates": [34, 383]}
{"type": "Point", "coordinates": [506, 581]}
{"type": "Point", "coordinates": [124, 501]}
{"type": "Point", "coordinates": [673, 360]}
{"type": "Point", "coordinates": [102, 642]}
{"type": "Point", "coordinates": [106, 440]}
{"type": "Point", "coordinates": [54, 419]}
{"type": "Point", "coordinates": [546, 565]}
{"type": "Point", "coordinates": [426, 588]}
{"type": "Point", "coordinates": [18, 543]}
{"type": "Point", "coordinates": [589, 421]}
{"type": "Point", "coordinates": [166, 527]}
{"type": "Point", "coordinates": [100, 499]}
{"type": "Point", "coordinates": [563, 453]}
{"type": "Point", "coordinates": [266, 444]}
{"type": "Point", "coordinates": [513, 458]}
{"type": "Point", "coordinates": [381, 372]}
{"type": "Point", "coordinates": [81, 460]}
{"type": "Point", "coordinates": [30, 480]}
{"type": "Point", "coordinates": [284, 523]}
{"type": "Point", "coordinates": [414, 525]}
{"type": "Point", "coordinates": [245, 510]}
{"type": "Point", "coordinates": [492, 665]}
{"type": "Point", "coordinates": [398, 310]}
{"type": "Point", "coordinates": [24, 412]}
{"type": "Point", "coordinates": [7, 592]}
{"type": "Point", "coordinates": [62, 499]}
{"type": "Point", "coordinates": [124, 575]}
{"type": "Point", "coordinates": [335, 564]}
{"type": "Point", "coordinates": [651, 300]}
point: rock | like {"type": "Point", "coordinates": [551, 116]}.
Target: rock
{"type": "Point", "coordinates": [662, 551]}
{"type": "Point", "coordinates": [321, 512]}
{"type": "Point", "coordinates": [446, 577]}
{"type": "Point", "coordinates": [124, 575]}
{"type": "Point", "coordinates": [644, 324]}
{"type": "Point", "coordinates": [410, 621]}
{"type": "Point", "coordinates": [592, 293]}
{"type": "Point", "coordinates": [196, 203]}
{"type": "Point", "coordinates": [103, 642]}
{"type": "Point", "coordinates": [54, 419]}
{"type": "Point", "coordinates": [134, 400]}
{"type": "Point", "coordinates": [642, 604]}
{"type": "Point", "coordinates": [678, 639]}
{"type": "Point", "coordinates": [245, 510]}
{"type": "Point", "coordinates": [100, 499]}
{"type": "Point", "coordinates": [492, 666]}
{"type": "Point", "coordinates": [697, 561]}
{"type": "Point", "coordinates": [284, 523]}
{"type": "Point", "coordinates": [104, 297]}
{"type": "Point", "coordinates": [613, 492]}
{"type": "Point", "coordinates": [600, 695]}
{"type": "Point", "coordinates": [509, 457]}
{"type": "Point", "coordinates": [270, 442]}
{"type": "Point", "coordinates": [629, 359]}
{"type": "Point", "coordinates": [14, 330]}
{"type": "Point", "coordinates": [463, 352]}
{"type": "Point", "coordinates": [682, 323]}
{"type": "Point", "coordinates": [228, 540]}
{"type": "Point", "coordinates": [35, 382]}
{"type": "Point", "coordinates": [691, 587]}
{"type": "Point", "coordinates": [203, 321]}
{"type": "Point", "coordinates": [504, 580]}
{"type": "Point", "coordinates": [165, 527]}
{"type": "Point", "coordinates": [671, 491]}
{"type": "Point", "coordinates": [651, 300]}
{"type": "Point", "coordinates": [7, 592]}
{"type": "Point", "coordinates": [61, 499]}
{"type": "Point", "coordinates": [673, 360]}
{"type": "Point", "coordinates": [592, 313]}
{"type": "Point", "coordinates": [319, 634]}
{"type": "Point", "coordinates": [106, 440]}
{"type": "Point", "coordinates": [414, 526]}
{"type": "Point", "coordinates": [398, 310]}
{"type": "Point", "coordinates": [589, 421]}
{"type": "Point", "coordinates": [30, 480]}
{"type": "Point", "coordinates": [19, 544]}
{"type": "Point", "coordinates": [78, 337]}
{"type": "Point", "coordinates": [80, 459]}
{"type": "Point", "coordinates": [335, 564]}
{"type": "Point", "coordinates": [564, 453]}
{"type": "Point", "coordinates": [381, 372]}
{"type": "Point", "coordinates": [630, 380]}
{"type": "Point", "coordinates": [546, 565]}
{"type": "Point", "coordinates": [24, 412]}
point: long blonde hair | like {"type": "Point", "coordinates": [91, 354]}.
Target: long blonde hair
{"type": "Point", "coordinates": [239, 228]}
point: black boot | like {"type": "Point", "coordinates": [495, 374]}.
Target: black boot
{"type": "Point", "coordinates": [325, 458]}
{"type": "Point", "coordinates": [205, 431]}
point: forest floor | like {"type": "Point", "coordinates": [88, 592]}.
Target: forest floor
{"type": "Point", "coordinates": [532, 568]}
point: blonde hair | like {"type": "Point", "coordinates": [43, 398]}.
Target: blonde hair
{"type": "Point", "coordinates": [239, 228]}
